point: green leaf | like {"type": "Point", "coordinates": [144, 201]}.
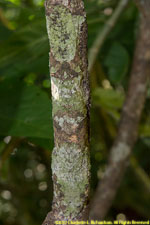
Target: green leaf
{"type": "Point", "coordinates": [109, 100]}
{"type": "Point", "coordinates": [45, 143]}
{"type": "Point", "coordinates": [25, 51]}
{"type": "Point", "coordinates": [25, 110]}
{"type": "Point", "coordinates": [117, 63]}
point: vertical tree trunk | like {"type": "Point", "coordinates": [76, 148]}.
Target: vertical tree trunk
{"type": "Point", "coordinates": [67, 32]}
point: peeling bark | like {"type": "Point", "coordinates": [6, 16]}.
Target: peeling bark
{"type": "Point", "coordinates": [67, 32]}
{"type": "Point", "coordinates": [128, 127]}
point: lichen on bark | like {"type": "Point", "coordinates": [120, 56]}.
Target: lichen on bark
{"type": "Point", "coordinates": [67, 32]}
{"type": "Point", "coordinates": [63, 32]}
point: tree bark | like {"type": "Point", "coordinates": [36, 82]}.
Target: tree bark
{"type": "Point", "coordinates": [67, 32]}
{"type": "Point", "coordinates": [128, 127]}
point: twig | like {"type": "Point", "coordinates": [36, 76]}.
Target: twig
{"type": "Point", "coordinates": [127, 132]}
{"type": "Point", "coordinates": [9, 149]}
{"type": "Point", "coordinates": [104, 32]}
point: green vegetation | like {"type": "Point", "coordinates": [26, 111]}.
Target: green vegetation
{"type": "Point", "coordinates": [26, 133]}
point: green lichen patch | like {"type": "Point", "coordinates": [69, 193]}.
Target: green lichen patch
{"type": "Point", "coordinates": [68, 123]}
{"type": "Point", "coordinates": [63, 30]}
{"type": "Point", "coordinates": [71, 165]}
{"type": "Point", "coordinates": [68, 93]}
{"type": "Point", "coordinates": [53, 69]}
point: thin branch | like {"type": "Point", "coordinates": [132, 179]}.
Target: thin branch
{"type": "Point", "coordinates": [128, 127]}
{"type": "Point", "coordinates": [9, 149]}
{"type": "Point", "coordinates": [104, 32]}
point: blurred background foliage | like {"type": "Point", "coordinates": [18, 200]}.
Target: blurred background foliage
{"type": "Point", "coordinates": [26, 133]}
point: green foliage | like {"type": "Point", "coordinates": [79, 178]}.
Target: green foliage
{"type": "Point", "coordinates": [117, 69]}
{"type": "Point", "coordinates": [25, 110]}
{"type": "Point", "coordinates": [108, 99]}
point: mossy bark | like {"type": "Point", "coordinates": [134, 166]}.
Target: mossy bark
{"type": "Point", "coordinates": [67, 32]}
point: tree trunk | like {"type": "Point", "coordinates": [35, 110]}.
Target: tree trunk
{"type": "Point", "coordinates": [67, 32]}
